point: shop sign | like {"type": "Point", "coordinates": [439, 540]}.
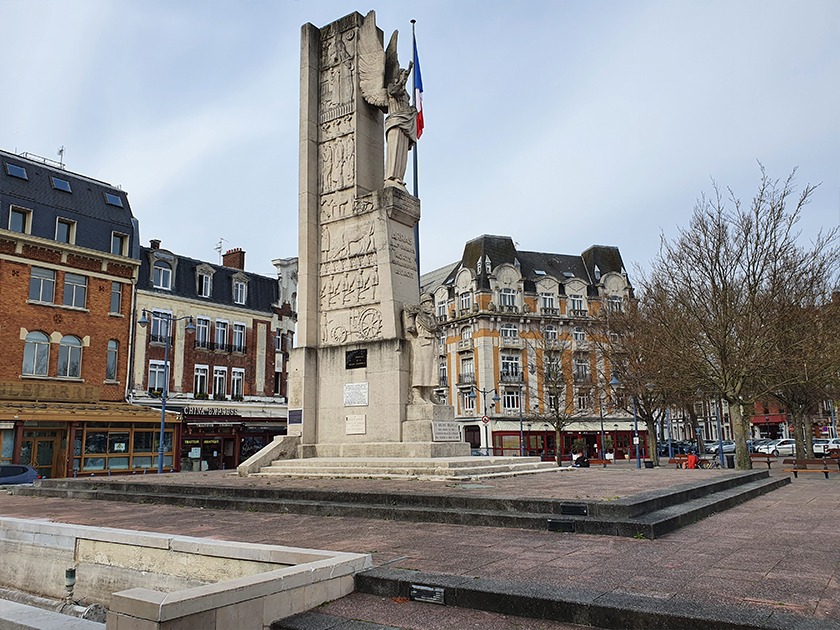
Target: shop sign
{"type": "Point", "coordinates": [210, 411]}
{"type": "Point", "coordinates": [55, 392]}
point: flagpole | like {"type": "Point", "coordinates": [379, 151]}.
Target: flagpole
{"type": "Point", "coordinates": [414, 158]}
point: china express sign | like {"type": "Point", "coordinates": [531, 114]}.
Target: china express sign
{"type": "Point", "coordinates": [210, 411]}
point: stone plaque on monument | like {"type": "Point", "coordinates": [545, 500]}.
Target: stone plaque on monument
{"type": "Point", "coordinates": [355, 424]}
{"type": "Point", "coordinates": [446, 432]}
{"type": "Point", "coordinates": [355, 394]}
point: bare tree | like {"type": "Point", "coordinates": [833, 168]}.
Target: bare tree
{"type": "Point", "coordinates": [714, 292]}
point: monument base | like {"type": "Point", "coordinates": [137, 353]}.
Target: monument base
{"type": "Point", "coordinates": [364, 450]}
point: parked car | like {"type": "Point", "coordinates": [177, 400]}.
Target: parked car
{"type": "Point", "coordinates": [17, 473]}
{"type": "Point", "coordinates": [784, 446]}
{"type": "Point", "coordinates": [753, 444]}
{"type": "Point", "coordinates": [821, 446]}
{"type": "Point", "coordinates": [713, 447]}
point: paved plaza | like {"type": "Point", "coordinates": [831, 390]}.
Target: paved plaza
{"type": "Point", "coordinates": [777, 555]}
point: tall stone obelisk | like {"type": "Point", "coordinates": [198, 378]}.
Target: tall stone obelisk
{"type": "Point", "coordinates": [349, 376]}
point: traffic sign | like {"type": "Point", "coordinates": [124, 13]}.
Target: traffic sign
{"type": "Point", "coordinates": [485, 419]}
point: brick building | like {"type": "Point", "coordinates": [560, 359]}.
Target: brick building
{"type": "Point", "coordinates": [227, 377]}
{"type": "Point", "coordinates": [68, 263]}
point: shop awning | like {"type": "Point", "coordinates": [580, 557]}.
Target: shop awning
{"type": "Point", "coordinates": [78, 412]}
{"type": "Point", "coordinates": [769, 418]}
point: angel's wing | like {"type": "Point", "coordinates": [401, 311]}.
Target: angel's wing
{"type": "Point", "coordinates": [372, 63]}
{"type": "Point", "coordinates": [392, 64]}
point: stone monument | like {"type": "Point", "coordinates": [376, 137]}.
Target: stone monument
{"type": "Point", "coordinates": [359, 383]}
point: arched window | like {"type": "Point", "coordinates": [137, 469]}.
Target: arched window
{"type": "Point", "coordinates": [466, 333]}
{"type": "Point", "coordinates": [36, 354]}
{"type": "Point", "coordinates": [70, 357]}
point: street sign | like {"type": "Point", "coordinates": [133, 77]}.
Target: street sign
{"type": "Point", "coordinates": [635, 439]}
{"type": "Point", "coordinates": [485, 419]}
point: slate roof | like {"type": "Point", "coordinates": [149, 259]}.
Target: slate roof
{"type": "Point", "coordinates": [501, 250]}
{"type": "Point", "coordinates": [263, 292]}
{"type": "Point", "coordinates": [85, 204]}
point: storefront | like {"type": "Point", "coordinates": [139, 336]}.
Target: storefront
{"type": "Point", "coordinates": [68, 439]}
{"type": "Point", "coordinates": [219, 438]}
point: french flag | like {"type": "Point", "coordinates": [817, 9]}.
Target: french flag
{"type": "Point", "coordinates": [418, 91]}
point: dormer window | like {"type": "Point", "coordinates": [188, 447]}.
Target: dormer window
{"type": "Point", "coordinates": [597, 273]}
{"type": "Point", "coordinates": [204, 280]}
{"type": "Point", "coordinates": [162, 275]}
{"type": "Point", "coordinates": [240, 289]}
{"type": "Point", "coordinates": [60, 184]}
{"type": "Point", "coordinates": [113, 200]}
{"type": "Point", "coordinates": [16, 171]}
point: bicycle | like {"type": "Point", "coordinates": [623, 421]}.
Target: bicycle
{"type": "Point", "coordinates": [714, 462]}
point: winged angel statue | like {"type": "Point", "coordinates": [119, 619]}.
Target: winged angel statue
{"type": "Point", "coordinates": [382, 82]}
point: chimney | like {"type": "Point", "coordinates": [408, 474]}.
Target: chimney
{"type": "Point", "coordinates": [234, 258]}
{"type": "Point", "coordinates": [154, 243]}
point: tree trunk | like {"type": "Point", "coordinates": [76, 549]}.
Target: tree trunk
{"type": "Point", "coordinates": [558, 447]}
{"type": "Point", "coordinates": [652, 446]}
{"type": "Point", "coordinates": [740, 431]}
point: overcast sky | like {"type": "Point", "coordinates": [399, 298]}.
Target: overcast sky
{"type": "Point", "coordinates": [562, 124]}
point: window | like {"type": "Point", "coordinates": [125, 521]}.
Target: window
{"type": "Point", "coordinates": [239, 337]}
{"type": "Point", "coordinates": [221, 334]}
{"type": "Point", "coordinates": [510, 366]}
{"type": "Point", "coordinates": [465, 301]}
{"type": "Point", "coordinates": [65, 231]}
{"type": "Point", "coordinates": [582, 400]}
{"type": "Point", "coordinates": [159, 329]}
{"type": "Point", "coordinates": [551, 333]}
{"type": "Point", "coordinates": [70, 357]}
{"type": "Point", "coordinates": [219, 382]}
{"type": "Point", "coordinates": [237, 383]}
{"type": "Point", "coordinates": [162, 275]}
{"type": "Point", "coordinates": [119, 244]}
{"type": "Point", "coordinates": [36, 354]}
{"type": "Point", "coordinates": [60, 184]}
{"type": "Point", "coordinates": [467, 371]}
{"type": "Point", "coordinates": [547, 301]}
{"type": "Point", "coordinates": [205, 285]}
{"type": "Point", "coordinates": [578, 334]}
{"type": "Point", "coordinates": [278, 341]}
{"type": "Point", "coordinates": [581, 368]}
{"type": "Point", "coordinates": [597, 272]}
{"type": "Point", "coordinates": [75, 290]}
{"type": "Point", "coordinates": [442, 373]}
{"type": "Point", "coordinates": [614, 304]}
{"type": "Point", "coordinates": [116, 297]}
{"type": "Point", "coordinates": [576, 302]}
{"type": "Point", "coordinates": [441, 309]}
{"type": "Point", "coordinates": [200, 380]}
{"type": "Point", "coordinates": [468, 402]}
{"type": "Point", "coordinates": [111, 360]}
{"type": "Point", "coordinates": [16, 171]}
{"type": "Point", "coordinates": [507, 298]}
{"type": "Point", "coordinates": [466, 333]}
{"type": "Point", "coordinates": [509, 331]}
{"type": "Point", "coordinates": [20, 220]}
{"type": "Point", "coordinates": [42, 285]}
{"type": "Point", "coordinates": [552, 402]}
{"type": "Point", "coordinates": [511, 399]}
{"type": "Point", "coordinates": [113, 200]}
{"type": "Point", "coordinates": [202, 332]}
{"type": "Point", "coordinates": [240, 291]}
{"type": "Point", "coordinates": [157, 375]}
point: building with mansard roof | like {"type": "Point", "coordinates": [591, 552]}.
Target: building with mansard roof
{"type": "Point", "coordinates": [504, 314]}
{"type": "Point", "coordinates": [69, 258]}
{"type": "Point", "coordinates": [227, 377]}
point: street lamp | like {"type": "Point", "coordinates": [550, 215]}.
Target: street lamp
{"type": "Point", "coordinates": [601, 413]}
{"type": "Point", "coordinates": [521, 430]}
{"type": "Point", "coordinates": [484, 393]}
{"type": "Point", "coordinates": [190, 327]}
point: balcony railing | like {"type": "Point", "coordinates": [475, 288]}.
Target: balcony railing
{"type": "Point", "coordinates": [465, 344]}
{"type": "Point", "coordinates": [510, 377]}
{"type": "Point", "coordinates": [466, 379]}
{"type": "Point", "coordinates": [578, 312]}
{"type": "Point", "coordinates": [545, 310]}
{"type": "Point", "coordinates": [239, 348]}
{"type": "Point", "coordinates": [511, 342]}
{"type": "Point", "coordinates": [155, 338]}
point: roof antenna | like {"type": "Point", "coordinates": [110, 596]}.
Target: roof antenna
{"type": "Point", "coordinates": [61, 156]}
{"type": "Point", "coordinates": [219, 247]}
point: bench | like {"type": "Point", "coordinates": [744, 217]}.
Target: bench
{"type": "Point", "coordinates": [802, 466]}
{"type": "Point", "coordinates": [680, 460]}
{"type": "Point", "coordinates": [600, 462]}
{"type": "Point", "coordinates": [761, 457]}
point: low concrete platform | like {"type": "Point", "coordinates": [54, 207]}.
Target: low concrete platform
{"type": "Point", "coordinates": [774, 559]}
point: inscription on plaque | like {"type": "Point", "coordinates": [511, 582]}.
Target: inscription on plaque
{"type": "Point", "coordinates": [295, 416]}
{"type": "Point", "coordinates": [355, 359]}
{"type": "Point", "coordinates": [356, 394]}
{"type": "Point", "coordinates": [446, 432]}
{"type": "Point", "coordinates": [355, 424]}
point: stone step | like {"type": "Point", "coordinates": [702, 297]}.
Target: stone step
{"type": "Point", "coordinates": [678, 507]}
{"type": "Point", "coordinates": [280, 467]}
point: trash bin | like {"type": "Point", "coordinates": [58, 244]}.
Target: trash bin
{"type": "Point", "coordinates": [730, 461]}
